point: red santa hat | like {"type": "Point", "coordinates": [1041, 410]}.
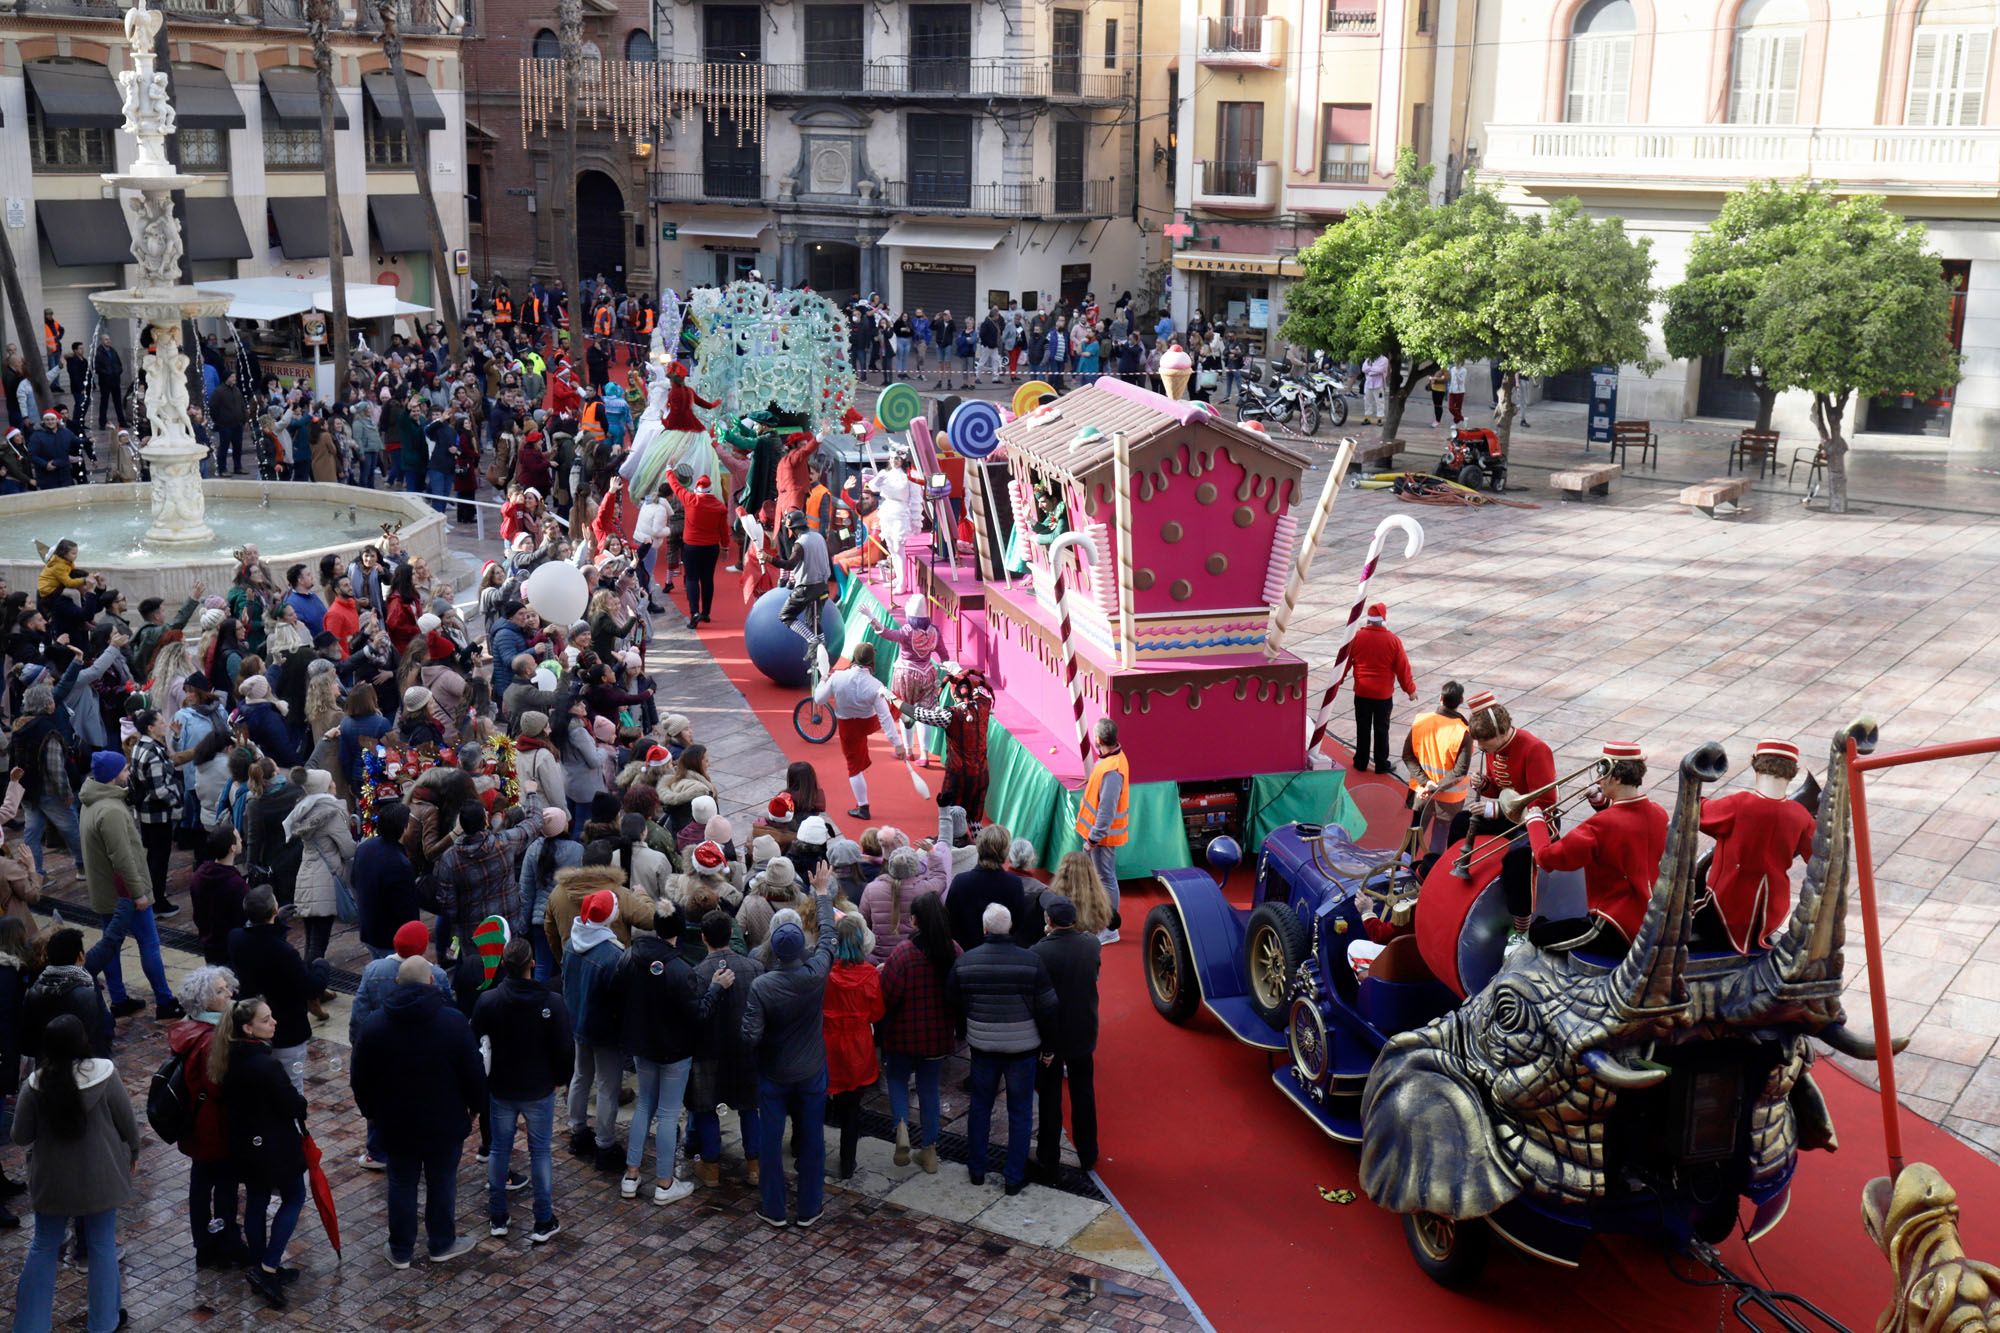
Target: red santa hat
{"type": "Point", "coordinates": [1617, 750]}
{"type": "Point", "coordinates": [707, 859]}
{"type": "Point", "coordinates": [779, 811]}
{"type": "Point", "coordinates": [701, 484]}
{"type": "Point", "coordinates": [1781, 749]}
{"type": "Point", "coordinates": [658, 755]}
{"type": "Point", "coordinates": [600, 907]}
{"type": "Point", "coordinates": [1480, 702]}
{"type": "Point", "coordinates": [1378, 612]}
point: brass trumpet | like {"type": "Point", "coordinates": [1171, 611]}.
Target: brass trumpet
{"type": "Point", "coordinates": [1514, 808]}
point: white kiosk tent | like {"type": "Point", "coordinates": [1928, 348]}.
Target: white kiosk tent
{"type": "Point", "coordinates": [275, 298]}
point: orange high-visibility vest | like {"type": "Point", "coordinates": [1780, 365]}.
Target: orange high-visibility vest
{"type": "Point", "coordinates": [1086, 811]}
{"type": "Point", "coordinates": [593, 416]}
{"type": "Point", "coordinates": [503, 309]}
{"type": "Point", "coordinates": [646, 320]}
{"type": "Point", "coordinates": [52, 333]}
{"type": "Point", "coordinates": [816, 504]}
{"type": "Point", "coordinates": [603, 321]}
{"type": "Point", "coordinates": [1436, 740]}
{"type": "Point", "coordinates": [534, 309]}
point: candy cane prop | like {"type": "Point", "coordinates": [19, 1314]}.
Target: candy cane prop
{"type": "Point", "coordinates": [1086, 554]}
{"type": "Point", "coordinates": [1121, 454]}
{"type": "Point", "coordinates": [1281, 611]}
{"type": "Point", "coordinates": [1413, 545]}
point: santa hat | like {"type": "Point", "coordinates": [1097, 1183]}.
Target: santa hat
{"type": "Point", "coordinates": [1619, 750]}
{"type": "Point", "coordinates": [707, 860]}
{"type": "Point", "coordinates": [1378, 612]}
{"type": "Point", "coordinates": [411, 939]}
{"type": "Point", "coordinates": [600, 907]}
{"type": "Point", "coordinates": [1777, 749]}
{"type": "Point", "coordinates": [780, 810]}
{"type": "Point", "coordinates": [486, 569]}
{"type": "Point", "coordinates": [1480, 702]}
{"type": "Point", "coordinates": [490, 938]}
{"type": "Point", "coordinates": [701, 484]}
{"type": "Point", "coordinates": [657, 757]}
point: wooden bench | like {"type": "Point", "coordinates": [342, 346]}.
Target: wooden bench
{"type": "Point", "coordinates": [1596, 480]}
{"type": "Point", "coordinates": [1378, 453]}
{"type": "Point", "coordinates": [1760, 446]}
{"type": "Point", "coordinates": [1707, 495]}
{"type": "Point", "coordinates": [1629, 435]}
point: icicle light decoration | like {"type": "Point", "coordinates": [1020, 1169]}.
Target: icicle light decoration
{"type": "Point", "coordinates": [641, 99]}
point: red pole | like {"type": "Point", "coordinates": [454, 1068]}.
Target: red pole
{"type": "Point", "coordinates": [1871, 930]}
{"type": "Point", "coordinates": [1924, 753]}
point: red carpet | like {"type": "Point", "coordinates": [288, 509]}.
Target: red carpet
{"type": "Point", "coordinates": [1221, 1173]}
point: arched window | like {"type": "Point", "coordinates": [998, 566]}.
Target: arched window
{"type": "Point", "coordinates": [1600, 63]}
{"type": "Point", "coordinates": [1948, 62]}
{"type": "Point", "coordinates": [1764, 71]}
{"type": "Point", "coordinates": [547, 45]}
{"type": "Point", "coordinates": [639, 47]}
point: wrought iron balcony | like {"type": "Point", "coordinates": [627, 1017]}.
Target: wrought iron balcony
{"type": "Point", "coordinates": [901, 77]}
{"type": "Point", "coordinates": [1243, 41]}
{"type": "Point", "coordinates": [1353, 20]}
{"type": "Point", "coordinates": [1014, 199]}
{"type": "Point", "coordinates": [715, 183]}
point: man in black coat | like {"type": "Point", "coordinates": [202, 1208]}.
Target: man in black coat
{"type": "Point", "coordinates": [385, 882]}
{"type": "Point", "coordinates": [1071, 957]}
{"type": "Point", "coordinates": [417, 1075]}
{"type": "Point", "coordinates": [526, 1027]}
{"type": "Point", "coordinates": [655, 991]}
{"type": "Point", "coordinates": [988, 882]}
{"type": "Point", "coordinates": [65, 987]}
{"type": "Point", "coordinates": [1009, 1006]}
{"type": "Point", "coordinates": [110, 368]}
{"type": "Point", "coordinates": [266, 964]}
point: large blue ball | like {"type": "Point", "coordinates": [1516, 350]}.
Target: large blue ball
{"type": "Point", "coordinates": [776, 650]}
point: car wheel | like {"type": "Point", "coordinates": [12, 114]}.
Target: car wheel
{"type": "Point", "coordinates": [1169, 965]}
{"type": "Point", "coordinates": [1274, 945]}
{"type": "Point", "coordinates": [1451, 1253]}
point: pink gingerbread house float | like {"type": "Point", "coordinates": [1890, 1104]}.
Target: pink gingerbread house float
{"type": "Point", "coordinates": [1172, 619]}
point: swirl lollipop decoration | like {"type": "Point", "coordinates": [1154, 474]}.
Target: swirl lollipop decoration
{"type": "Point", "coordinates": [975, 428]}
{"type": "Point", "coordinates": [898, 406]}
{"type": "Point", "coordinates": [1029, 396]}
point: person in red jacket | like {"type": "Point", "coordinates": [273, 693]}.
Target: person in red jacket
{"type": "Point", "coordinates": [1618, 850]}
{"type": "Point", "coordinates": [213, 1211]}
{"type": "Point", "coordinates": [853, 1007]}
{"type": "Point", "coordinates": [1515, 760]}
{"type": "Point", "coordinates": [795, 472]}
{"type": "Point", "coordinates": [703, 532]}
{"type": "Point", "coordinates": [1758, 834]}
{"type": "Point", "coordinates": [1379, 665]}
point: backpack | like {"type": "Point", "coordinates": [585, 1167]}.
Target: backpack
{"type": "Point", "coordinates": [171, 1107]}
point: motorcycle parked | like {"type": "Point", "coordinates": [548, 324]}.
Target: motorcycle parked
{"type": "Point", "coordinates": [1332, 393]}
{"type": "Point", "coordinates": [1285, 401]}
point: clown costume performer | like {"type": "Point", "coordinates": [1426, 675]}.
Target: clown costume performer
{"type": "Point", "coordinates": [963, 721]}
{"type": "Point", "coordinates": [915, 678]}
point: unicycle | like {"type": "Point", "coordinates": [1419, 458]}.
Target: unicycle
{"type": "Point", "coordinates": [814, 721]}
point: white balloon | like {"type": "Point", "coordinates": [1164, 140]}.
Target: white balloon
{"type": "Point", "coordinates": [557, 592]}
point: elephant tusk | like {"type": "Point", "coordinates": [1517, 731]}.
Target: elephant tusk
{"type": "Point", "coordinates": [1623, 1077]}
{"type": "Point", "coordinates": [1851, 1043]}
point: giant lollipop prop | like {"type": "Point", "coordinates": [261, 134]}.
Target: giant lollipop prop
{"type": "Point", "coordinates": [1413, 545]}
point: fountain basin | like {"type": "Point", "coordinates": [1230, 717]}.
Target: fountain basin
{"type": "Point", "coordinates": [305, 520]}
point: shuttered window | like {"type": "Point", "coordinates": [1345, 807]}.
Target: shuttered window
{"type": "Point", "coordinates": [1764, 81]}
{"type": "Point", "coordinates": [1600, 74]}
{"type": "Point", "coordinates": [1948, 76]}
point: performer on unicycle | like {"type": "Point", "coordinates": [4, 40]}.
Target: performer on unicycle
{"type": "Point", "coordinates": [810, 568]}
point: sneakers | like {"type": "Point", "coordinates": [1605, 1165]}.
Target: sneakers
{"type": "Point", "coordinates": [628, 1188]}
{"type": "Point", "coordinates": [516, 1181]}
{"type": "Point", "coordinates": [127, 1007]}
{"type": "Point", "coordinates": [1107, 937]}
{"type": "Point", "coordinates": [545, 1232]}
{"type": "Point", "coordinates": [461, 1246]}
{"type": "Point", "coordinates": [902, 1144]}
{"type": "Point", "coordinates": [481, 1156]}
{"type": "Point", "coordinates": [497, 1230]}
{"type": "Point", "coordinates": [805, 1222]}
{"type": "Point", "coordinates": [772, 1221]}
{"type": "Point", "coordinates": [165, 911]}
{"type": "Point", "coordinates": [367, 1163]}
{"type": "Point", "coordinates": [394, 1262]}
{"type": "Point", "coordinates": [732, 569]}
{"type": "Point", "coordinates": [674, 1193]}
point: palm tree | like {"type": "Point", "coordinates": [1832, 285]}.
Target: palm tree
{"type": "Point", "coordinates": [419, 146]}
{"type": "Point", "coordinates": [29, 331]}
{"type": "Point", "coordinates": [319, 16]}
{"type": "Point", "coordinates": [569, 28]}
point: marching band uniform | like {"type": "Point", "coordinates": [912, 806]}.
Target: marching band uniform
{"type": "Point", "coordinates": [1758, 834]}
{"type": "Point", "coordinates": [1522, 765]}
{"type": "Point", "coordinates": [1618, 850]}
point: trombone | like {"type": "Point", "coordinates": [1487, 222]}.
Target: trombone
{"type": "Point", "coordinates": [1513, 808]}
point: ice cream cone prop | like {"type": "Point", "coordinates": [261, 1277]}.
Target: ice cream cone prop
{"type": "Point", "coordinates": [1086, 554]}
{"type": "Point", "coordinates": [1281, 609]}
{"type": "Point", "coordinates": [1413, 545]}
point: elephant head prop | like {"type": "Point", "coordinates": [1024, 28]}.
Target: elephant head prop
{"type": "Point", "coordinates": [1510, 1093]}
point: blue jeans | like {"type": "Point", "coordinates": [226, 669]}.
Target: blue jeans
{"type": "Point", "coordinates": [369, 462]}
{"type": "Point", "coordinates": [291, 1198]}
{"type": "Point", "coordinates": [104, 955]}
{"type": "Point", "coordinates": [540, 1116]}
{"type": "Point", "coordinates": [902, 356]}
{"type": "Point", "coordinates": [900, 1068]}
{"type": "Point", "coordinates": [987, 1072]}
{"type": "Point", "coordinates": [440, 484]}
{"type": "Point", "coordinates": [662, 1087]}
{"type": "Point", "coordinates": [705, 1132]}
{"type": "Point", "coordinates": [46, 810]}
{"type": "Point", "coordinates": [35, 1294]}
{"type": "Point", "coordinates": [438, 1166]}
{"type": "Point", "coordinates": [545, 954]}
{"type": "Point", "coordinates": [776, 1104]}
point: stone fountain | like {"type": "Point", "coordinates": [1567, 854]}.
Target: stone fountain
{"type": "Point", "coordinates": [194, 526]}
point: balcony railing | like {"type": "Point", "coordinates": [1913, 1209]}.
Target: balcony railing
{"type": "Point", "coordinates": [716, 182]}
{"type": "Point", "coordinates": [1343, 164]}
{"type": "Point", "coordinates": [1917, 160]}
{"type": "Point", "coordinates": [1352, 20]}
{"type": "Point", "coordinates": [417, 17]}
{"type": "Point", "coordinates": [902, 77]}
{"type": "Point", "coordinates": [1229, 185]}
{"type": "Point", "coordinates": [1235, 39]}
{"type": "Point", "coordinates": [1233, 179]}
{"type": "Point", "coordinates": [1046, 199]}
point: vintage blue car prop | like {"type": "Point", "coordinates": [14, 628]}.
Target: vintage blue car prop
{"type": "Point", "coordinates": [1569, 1093]}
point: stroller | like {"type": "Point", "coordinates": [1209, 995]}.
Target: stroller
{"type": "Point", "coordinates": [1473, 458]}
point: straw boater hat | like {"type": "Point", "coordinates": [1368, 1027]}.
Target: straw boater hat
{"type": "Point", "coordinates": [1480, 702]}
{"type": "Point", "coordinates": [1617, 750]}
{"type": "Point", "coordinates": [1776, 749]}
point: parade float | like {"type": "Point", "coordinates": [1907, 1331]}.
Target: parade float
{"type": "Point", "coordinates": [1132, 557]}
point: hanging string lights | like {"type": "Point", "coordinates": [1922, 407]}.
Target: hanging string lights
{"type": "Point", "coordinates": [638, 99]}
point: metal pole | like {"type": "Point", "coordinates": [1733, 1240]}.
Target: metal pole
{"type": "Point", "coordinates": [1878, 994]}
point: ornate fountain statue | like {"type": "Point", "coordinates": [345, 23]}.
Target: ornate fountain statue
{"type": "Point", "coordinates": [159, 300]}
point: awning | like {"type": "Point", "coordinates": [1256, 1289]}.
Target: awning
{"type": "Point", "coordinates": [1205, 261]}
{"type": "Point", "coordinates": [84, 231]}
{"type": "Point", "coordinates": [738, 229]}
{"type": "Point", "coordinates": [278, 298]}
{"type": "Point", "coordinates": [301, 227]}
{"type": "Point", "coordinates": [291, 97]}
{"type": "Point", "coordinates": [941, 236]}
{"type": "Point", "coordinates": [215, 230]}
{"type": "Point", "coordinates": [399, 224]}
{"type": "Point", "coordinates": [381, 90]}
{"type": "Point", "coordinates": [75, 94]}
{"type": "Point", "coordinates": [203, 99]}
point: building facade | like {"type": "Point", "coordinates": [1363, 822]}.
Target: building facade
{"type": "Point", "coordinates": [248, 124]}
{"type": "Point", "coordinates": [1295, 113]}
{"type": "Point", "coordinates": [1655, 109]}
